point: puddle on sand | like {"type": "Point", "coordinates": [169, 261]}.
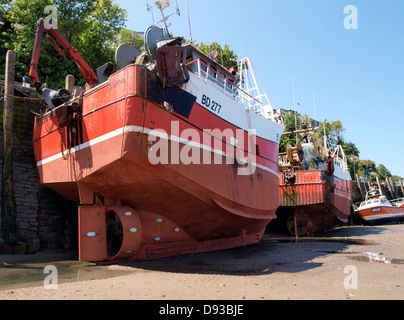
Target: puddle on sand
{"type": "Point", "coordinates": [336, 252]}
{"type": "Point", "coordinates": [366, 258]}
{"type": "Point", "coordinates": [22, 275]}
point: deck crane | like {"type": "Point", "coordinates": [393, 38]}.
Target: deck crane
{"type": "Point", "coordinates": [68, 49]}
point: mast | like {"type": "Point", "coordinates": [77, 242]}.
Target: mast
{"type": "Point", "coordinates": [162, 5]}
{"type": "Point", "coordinates": [189, 23]}
{"type": "Point", "coordinates": [314, 104]}
{"type": "Point", "coordinates": [255, 95]}
{"type": "Point", "coordinates": [294, 107]}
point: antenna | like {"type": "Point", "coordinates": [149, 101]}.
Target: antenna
{"type": "Point", "coordinates": [149, 8]}
{"type": "Point", "coordinates": [294, 106]}
{"type": "Point", "coordinates": [189, 23]}
{"type": "Point", "coordinates": [314, 103]}
{"type": "Point", "coordinates": [162, 5]}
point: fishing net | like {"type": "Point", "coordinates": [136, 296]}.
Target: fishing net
{"type": "Point", "coordinates": [309, 157]}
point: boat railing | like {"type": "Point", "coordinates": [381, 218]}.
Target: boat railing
{"type": "Point", "coordinates": [339, 156]}
{"type": "Point", "coordinates": [226, 86]}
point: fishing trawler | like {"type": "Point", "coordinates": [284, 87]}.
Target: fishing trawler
{"type": "Point", "coordinates": [315, 186]}
{"type": "Point", "coordinates": [169, 155]}
{"type": "Point", "coordinates": [378, 209]}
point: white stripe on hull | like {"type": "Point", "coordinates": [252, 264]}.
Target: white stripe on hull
{"type": "Point", "coordinates": [138, 129]}
{"type": "Point", "coordinates": [384, 216]}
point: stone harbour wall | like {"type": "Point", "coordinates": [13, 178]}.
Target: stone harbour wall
{"type": "Point", "coordinates": [44, 218]}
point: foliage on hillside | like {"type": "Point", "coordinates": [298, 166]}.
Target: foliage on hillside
{"type": "Point", "coordinates": [88, 25]}
{"type": "Point", "coordinates": [226, 57]}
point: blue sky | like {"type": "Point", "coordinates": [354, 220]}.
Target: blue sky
{"type": "Point", "coordinates": [357, 76]}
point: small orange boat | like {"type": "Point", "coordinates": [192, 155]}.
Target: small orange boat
{"type": "Point", "coordinates": [378, 209]}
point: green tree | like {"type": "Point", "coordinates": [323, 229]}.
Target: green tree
{"type": "Point", "coordinates": [289, 121]}
{"type": "Point", "coordinates": [363, 165]}
{"type": "Point", "coordinates": [5, 34]}
{"type": "Point", "coordinates": [226, 57]}
{"type": "Point", "coordinates": [128, 36]}
{"type": "Point", "coordinates": [88, 25]}
{"type": "Point", "coordinates": [383, 172]}
{"type": "Point", "coordinates": [334, 132]}
{"type": "Point", "coordinates": [105, 23]}
{"type": "Point", "coordinates": [350, 149]}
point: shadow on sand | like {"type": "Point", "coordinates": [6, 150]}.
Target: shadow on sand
{"type": "Point", "coordinates": [275, 253]}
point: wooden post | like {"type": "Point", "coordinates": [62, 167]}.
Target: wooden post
{"type": "Point", "coordinates": [392, 187]}
{"type": "Point", "coordinates": [360, 187]}
{"type": "Point", "coordinates": [379, 185]}
{"type": "Point", "coordinates": [9, 215]}
{"type": "Point", "coordinates": [389, 186]}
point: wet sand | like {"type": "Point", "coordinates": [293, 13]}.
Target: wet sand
{"type": "Point", "coordinates": [355, 263]}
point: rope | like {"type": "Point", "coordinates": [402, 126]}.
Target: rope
{"type": "Point", "coordinates": [28, 98]}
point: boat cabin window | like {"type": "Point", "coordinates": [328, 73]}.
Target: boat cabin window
{"type": "Point", "coordinates": [204, 68]}
{"type": "Point", "coordinates": [220, 80]}
{"type": "Point", "coordinates": [229, 86]}
{"type": "Point", "coordinates": [212, 73]}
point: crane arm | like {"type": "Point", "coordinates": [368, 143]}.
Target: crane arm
{"type": "Point", "coordinates": [71, 51]}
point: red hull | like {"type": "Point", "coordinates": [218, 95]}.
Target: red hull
{"type": "Point", "coordinates": [318, 200]}
{"type": "Point", "coordinates": [171, 208]}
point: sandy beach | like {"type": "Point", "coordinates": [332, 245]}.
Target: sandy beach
{"type": "Point", "coordinates": [355, 263]}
